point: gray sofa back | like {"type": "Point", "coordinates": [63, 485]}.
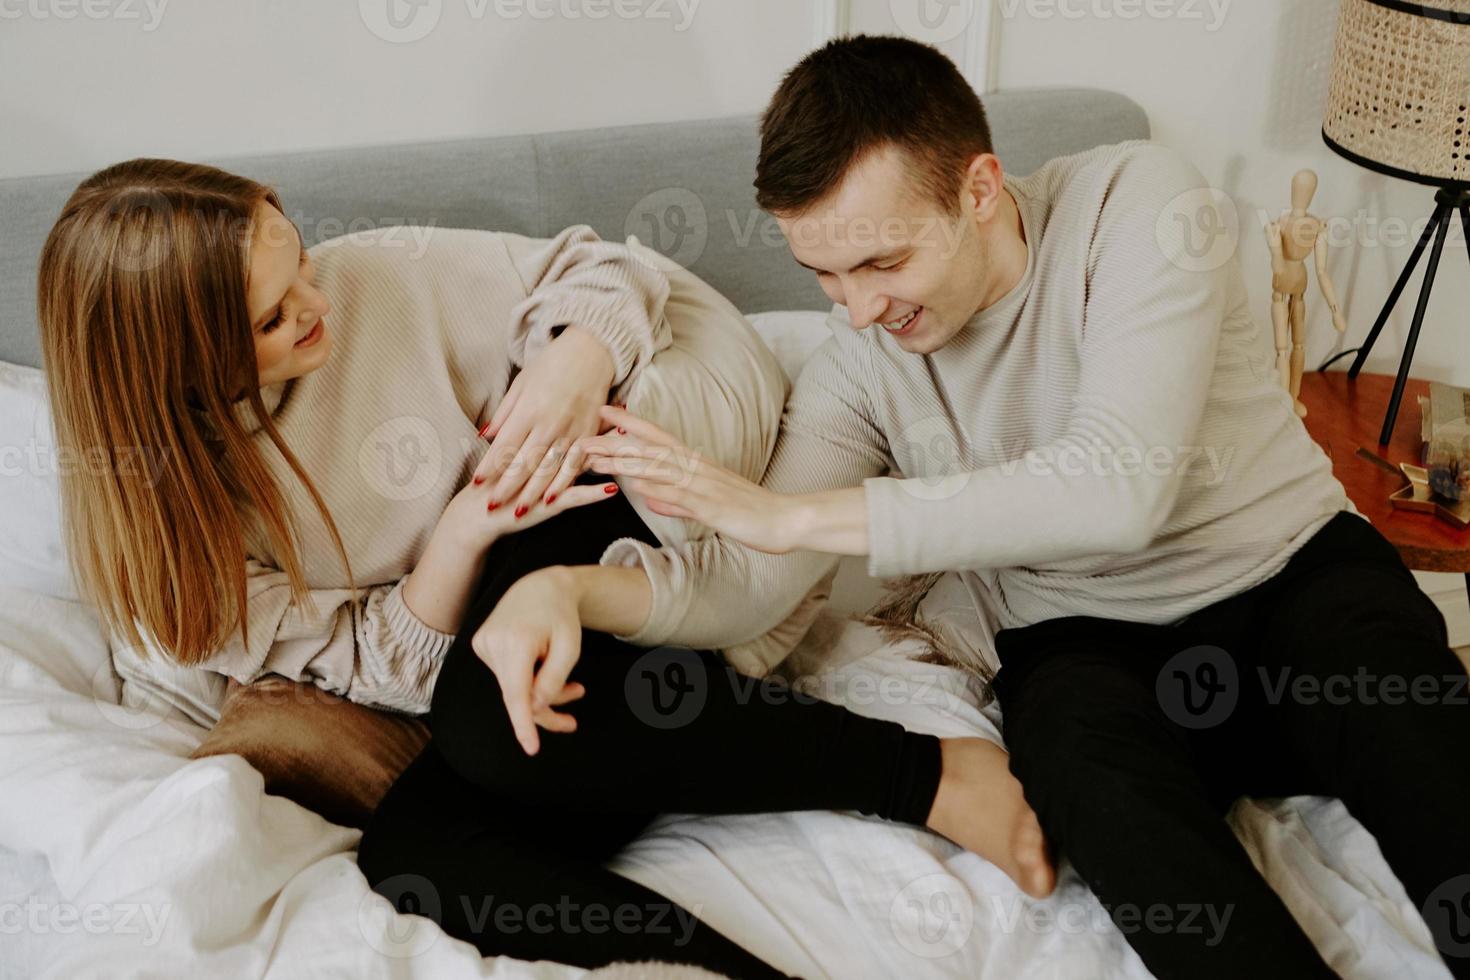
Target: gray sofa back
{"type": "Point", "coordinates": [683, 188]}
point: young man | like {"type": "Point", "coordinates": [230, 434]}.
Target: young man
{"type": "Point", "coordinates": [1033, 383]}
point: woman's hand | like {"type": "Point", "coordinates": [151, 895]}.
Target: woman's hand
{"type": "Point", "coordinates": [471, 522]}
{"type": "Point", "coordinates": [532, 640]}
{"type": "Point", "coordinates": [438, 589]}
{"type": "Point", "coordinates": [550, 405]}
{"type": "Point", "coordinates": [678, 482]}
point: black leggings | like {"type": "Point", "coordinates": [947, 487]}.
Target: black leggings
{"type": "Point", "coordinates": [506, 850]}
{"type": "Point", "coordinates": [1132, 741]}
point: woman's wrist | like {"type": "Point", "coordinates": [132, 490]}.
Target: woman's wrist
{"type": "Point", "coordinates": [588, 344]}
{"type": "Point", "coordinates": [438, 590]}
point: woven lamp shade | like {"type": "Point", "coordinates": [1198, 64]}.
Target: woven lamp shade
{"type": "Point", "coordinates": [1399, 99]}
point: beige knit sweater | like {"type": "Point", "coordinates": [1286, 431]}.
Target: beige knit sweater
{"type": "Point", "coordinates": [1108, 439]}
{"type": "Point", "coordinates": [428, 337]}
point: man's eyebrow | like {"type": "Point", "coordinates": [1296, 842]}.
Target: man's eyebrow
{"type": "Point", "coordinates": [870, 260]}
{"type": "Point", "coordinates": [271, 313]}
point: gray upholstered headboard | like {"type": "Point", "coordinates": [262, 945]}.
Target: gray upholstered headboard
{"type": "Point", "coordinates": [684, 188]}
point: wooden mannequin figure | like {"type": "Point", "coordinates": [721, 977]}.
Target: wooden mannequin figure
{"type": "Point", "coordinates": [1292, 238]}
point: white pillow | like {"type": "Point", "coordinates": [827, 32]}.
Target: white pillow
{"type": "Point", "coordinates": [32, 554]}
{"type": "Point", "coordinates": [792, 335]}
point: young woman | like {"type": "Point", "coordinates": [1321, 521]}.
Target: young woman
{"type": "Point", "coordinates": [182, 317]}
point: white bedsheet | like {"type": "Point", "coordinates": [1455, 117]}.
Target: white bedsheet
{"type": "Point", "coordinates": [123, 858]}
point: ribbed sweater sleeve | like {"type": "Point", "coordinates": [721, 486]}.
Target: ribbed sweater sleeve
{"type": "Point", "coordinates": [1148, 347]}
{"type": "Point", "coordinates": [578, 279]}
{"type": "Point", "coordinates": [392, 656]}
{"type": "Point", "coordinates": [827, 440]}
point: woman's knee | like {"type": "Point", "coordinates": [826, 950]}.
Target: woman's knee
{"type": "Point", "coordinates": [474, 736]}
{"type": "Point", "coordinates": [403, 822]}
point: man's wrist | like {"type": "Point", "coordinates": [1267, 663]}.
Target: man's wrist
{"type": "Point", "coordinates": [797, 518]}
{"type": "Point", "coordinates": [831, 521]}
{"type": "Point", "coordinates": [611, 599]}
{"type": "Point", "coordinates": [563, 578]}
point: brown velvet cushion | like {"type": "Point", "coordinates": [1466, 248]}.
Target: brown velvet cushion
{"type": "Point", "coordinates": [329, 754]}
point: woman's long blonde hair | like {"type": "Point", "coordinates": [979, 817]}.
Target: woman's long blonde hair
{"type": "Point", "coordinates": [144, 328]}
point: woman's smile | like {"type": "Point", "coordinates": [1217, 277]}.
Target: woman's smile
{"type": "Point", "coordinates": [313, 335]}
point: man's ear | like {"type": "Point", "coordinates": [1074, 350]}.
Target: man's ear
{"type": "Point", "coordinates": [983, 184]}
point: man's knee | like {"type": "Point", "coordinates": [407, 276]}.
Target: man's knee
{"type": "Point", "coordinates": [1361, 610]}
{"type": "Point", "coordinates": [1364, 655]}
{"type": "Point", "coordinates": [1079, 727]}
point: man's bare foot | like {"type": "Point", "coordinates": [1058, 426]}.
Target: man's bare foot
{"type": "Point", "coordinates": [980, 807]}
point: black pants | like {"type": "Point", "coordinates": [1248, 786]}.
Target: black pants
{"type": "Point", "coordinates": [506, 850]}
{"type": "Point", "coordinates": [1333, 677]}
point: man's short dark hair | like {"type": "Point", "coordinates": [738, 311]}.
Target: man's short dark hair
{"type": "Point", "coordinates": [860, 94]}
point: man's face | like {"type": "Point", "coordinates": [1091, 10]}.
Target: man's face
{"type": "Point", "coordinates": [882, 247]}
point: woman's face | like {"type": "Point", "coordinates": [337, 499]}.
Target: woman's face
{"type": "Point", "coordinates": [287, 313]}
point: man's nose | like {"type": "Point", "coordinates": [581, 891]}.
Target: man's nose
{"type": "Point", "coordinates": [864, 310]}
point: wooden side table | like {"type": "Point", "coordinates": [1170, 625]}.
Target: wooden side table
{"type": "Point", "coordinates": [1344, 414]}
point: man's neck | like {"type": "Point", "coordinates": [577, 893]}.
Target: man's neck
{"type": "Point", "coordinates": [1007, 253]}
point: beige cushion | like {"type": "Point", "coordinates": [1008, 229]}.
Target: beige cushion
{"type": "Point", "coordinates": [331, 755]}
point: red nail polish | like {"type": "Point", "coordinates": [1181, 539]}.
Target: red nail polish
{"type": "Point", "coordinates": [484, 429]}
{"type": "Point", "coordinates": [492, 505]}
{"type": "Point", "coordinates": [622, 431]}
{"type": "Point", "coordinates": [551, 499]}
{"type": "Point", "coordinates": [610, 488]}
{"type": "Point", "coordinates": [521, 510]}
{"type": "Point", "coordinates": [479, 480]}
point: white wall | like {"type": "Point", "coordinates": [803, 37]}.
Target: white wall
{"type": "Point", "coordinates": [84, 83]}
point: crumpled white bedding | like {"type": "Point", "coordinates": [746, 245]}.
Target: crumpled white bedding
{"type": "Point", "coordinates": [120, 857]}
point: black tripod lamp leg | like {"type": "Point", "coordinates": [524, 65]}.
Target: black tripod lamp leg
{"type": "Point", "coordinates": [1465, 220]}
{"type": "Point", "coordinates": [1441, 214]}
{"type": "Point", "coordinates": [1403, 376]}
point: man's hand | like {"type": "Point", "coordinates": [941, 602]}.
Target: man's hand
{"type": "Point", "coordinates": [550, 404]}
{"type": "Point", "coordinates": [678, 482]}
{"type": "Point", "coordinates": [532, 640]}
